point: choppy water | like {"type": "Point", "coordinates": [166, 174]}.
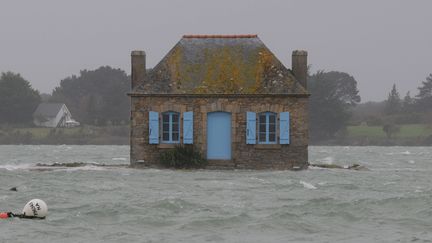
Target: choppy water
{"type": "Point", "coordinates": [392, 202]}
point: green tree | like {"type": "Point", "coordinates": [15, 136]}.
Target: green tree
{"type": "Point", "coordinates": [18, 100]}
{"type": "Point", "coordinates": [97, 96]}
{"type": "Point", "coordinates": [333, 94]}
{"type": "Point", "coordinates": [393, 102]}
{"type": "Point", "coordinates": [424, 97]}
{"type": "Point", "coordinates": [390, 129]}
{"type": "Point", "coordinates": [407, 103]}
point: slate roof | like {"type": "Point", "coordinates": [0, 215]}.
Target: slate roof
{"type": "Point", "coordinates": [48, 109]}
{"type": "Point", "coordinates": [228, 64]}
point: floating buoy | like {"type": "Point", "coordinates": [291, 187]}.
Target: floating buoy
{"type": "Point", "coordinates": [4, 215]}
{"type": "Point", "coordinates": [34, 209]}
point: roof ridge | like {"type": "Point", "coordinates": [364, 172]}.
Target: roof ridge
{"type": "Point", "coordinates": [220, 36]}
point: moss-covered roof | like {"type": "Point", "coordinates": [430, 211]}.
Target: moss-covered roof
{"type": "Point", "coordinates": [239, 64]}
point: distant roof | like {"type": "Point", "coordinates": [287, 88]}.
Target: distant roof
{"type": "Point", "coordinates": [230, 64]}
{"type": "Point", "coordinates": [48, 109]}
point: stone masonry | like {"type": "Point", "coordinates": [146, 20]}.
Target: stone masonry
{"type": "Point", "coordinates": [244, 156]}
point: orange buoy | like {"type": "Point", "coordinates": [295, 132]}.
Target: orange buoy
{"type": "Point", "coordinates": [4, 215]}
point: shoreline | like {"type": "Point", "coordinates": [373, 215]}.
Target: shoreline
{"type": "Point", "coordinates": [329, 144]}
{"type": "Point", "coordinates": [119, 135]}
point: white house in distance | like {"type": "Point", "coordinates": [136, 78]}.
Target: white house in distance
{"type": "Point", "coordinates": [53, 115]}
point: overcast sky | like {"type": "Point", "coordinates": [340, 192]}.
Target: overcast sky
{"type": "Point", "coordinates": [378, 42]}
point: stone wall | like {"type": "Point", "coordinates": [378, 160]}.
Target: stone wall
{"type": "Point", "coordinates": [244, 156]}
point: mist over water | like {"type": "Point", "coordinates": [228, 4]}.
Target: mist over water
{"type": "Point", "coordinates": [388, 203]}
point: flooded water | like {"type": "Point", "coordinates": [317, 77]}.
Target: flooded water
{"type": "Point", "coordinates": [390, 202]}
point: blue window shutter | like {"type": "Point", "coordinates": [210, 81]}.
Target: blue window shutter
{"type": "Point", "coordinates": [284, 127]}
{"type": "Point", "coordinates": [250, 128]}
{"type": "Point", "coordinates": [188, 127]}
{"type": "Point", "coordinates": [153, 127]}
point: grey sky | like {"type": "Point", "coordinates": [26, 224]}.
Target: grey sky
{"type": "Point", "coordinates": [378, 42]}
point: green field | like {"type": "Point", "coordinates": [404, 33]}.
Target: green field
{"type": "Point", "coordinates": [406, 131]}
{"type": "Point", "coordinates": [76, 135]}
{"type": "Point", "coordinates": [41, 132]}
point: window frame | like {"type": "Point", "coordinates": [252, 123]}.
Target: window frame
{"type": "Point", "coordinates": [267, 131]}
{"type": "Point", "coordinates": [170, 124]}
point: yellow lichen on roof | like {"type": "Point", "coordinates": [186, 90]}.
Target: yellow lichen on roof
{"type": "Point", "coordinates": [205, 65]}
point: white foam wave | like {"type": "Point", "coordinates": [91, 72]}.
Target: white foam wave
{"type": "Point", "coordinates": [259, 179]}
{"type": "Point", "coordinates": [92, 166]}
{"type": "Point", "coordinates": [396, 153]}
{"type": "Point", "coordinates": [308, 185]}
{"type": "Point", "coordinates": [311, 167]}
{"type": "Point", "coordinates": [119, 159]}
{"type": "Point", "coordinates": [16, 167]}
{"type": "Point", "coordinates": [401, 169]}
{"type": "Point", "coordinates": [328, 160]}
{"type": "Point", "coordinates": [83, 168]}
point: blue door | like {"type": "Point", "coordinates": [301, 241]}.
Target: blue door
{"type": "Point", "coordinates": [219, 135]}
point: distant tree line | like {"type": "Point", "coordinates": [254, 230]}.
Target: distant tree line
{"type": "Point", "coordinates": [398, 110]}
{"type": "Point", "coordinates": [333, 95]}
{"type": "Point", "coordinates": [395, 111]}
{"type": "Point", "coordinates": [18, 99]}
{"type": "Point", "coordinates": [96, 97]}
{"type": "Point", "coordinates": [422, 102]}
{"type": "Point", "coordinates": [408, 110]}
{"type": "Point", "coordinates": [334, 100]}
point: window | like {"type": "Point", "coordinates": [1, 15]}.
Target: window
{"type": "Point", "coordinates": [170, 127]}
{"type": "Point", "coordinates": [267, 128]}
{"type": "Point", "coordinates": [266, 132]}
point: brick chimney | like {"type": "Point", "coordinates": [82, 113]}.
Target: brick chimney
{"type": "Point", "coordinates": [299, 66]}
{"type": "Point", "coordinates": [138, 64]}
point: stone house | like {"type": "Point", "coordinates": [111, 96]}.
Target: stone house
{"type": "Point", "coordinates": [227, 95]}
